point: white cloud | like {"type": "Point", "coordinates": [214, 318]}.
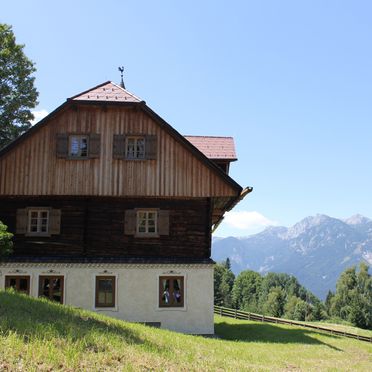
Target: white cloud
{"type": "Point", "coordinates": [243, 223]}
{"type": "Point", "coordinates": [38, 115]}
{"type": "Point", "coordinates": [245, 220]}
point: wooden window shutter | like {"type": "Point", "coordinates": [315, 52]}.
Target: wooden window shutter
{"type": "Point", "coordinates": [21, 221]}
{"type": "Point", "coordinates": [151, 147]}
{"type": "Point", "coordinates": [163, 222]}
{"type": "Point", "coordinates": [130, 222]}
{"type": "Point", "coordinates": [62, 145]}
{"type": "Point", "coordinates": [55, 221]}
{"type": "Point", "coordinates": [118, 149]}
{"type": "Point", "coordinates": [94, 145]}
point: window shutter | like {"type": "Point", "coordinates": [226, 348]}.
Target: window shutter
{"type": "Point", "coordinates": [55, 221]}
{"type": "Point", "coordinates": [151, 147]}
{"type": "Point", "coordinates": [94, 145]}
{"type": "Point", "coordinates": [163, 222]}
{"type": "Point", "coordinates": [62, 145]}
{"type": "Point", "coordinates": [130, 222]}
{"type": "Point", "coordinates": [22, 221]}
{"type": "Point", "coordinates": [118, 149]}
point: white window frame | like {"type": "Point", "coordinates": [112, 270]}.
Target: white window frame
{"type": "Point", "coordinates": [39, 219]}
{"type": "Point", "coordinates": [147, 232]}
{"type": "Point", "coordinates": [137, 155]}
{"type": "Point", "coordinates": [79, 137]}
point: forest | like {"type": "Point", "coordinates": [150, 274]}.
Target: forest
{"type": "Point", "coordinates": [281, 295]}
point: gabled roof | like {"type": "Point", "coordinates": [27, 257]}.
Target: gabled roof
{"type": "Point", "coordinates": [109, 93]}
{"type": "Point", "coordinates": [106, 92]}
{"type": "Point", "coordinates": [215, 148]}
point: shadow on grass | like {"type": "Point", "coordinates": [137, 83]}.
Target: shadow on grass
{"type": "Point", "coordinates": [267, 333]}
{"type": "Point", "coordinates": [41, 319]}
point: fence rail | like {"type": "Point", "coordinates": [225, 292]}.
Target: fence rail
{"type": "Point", "coordinates": [243, 315]}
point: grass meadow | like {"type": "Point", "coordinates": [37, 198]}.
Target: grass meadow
{"type": "Point", "coordinates": [37, 335]}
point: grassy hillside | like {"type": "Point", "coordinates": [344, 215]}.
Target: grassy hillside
{"type": "Point", "coordinates": [39, 335]}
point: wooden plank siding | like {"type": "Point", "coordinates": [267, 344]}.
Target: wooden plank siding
{"type": "Point", "coordinates": [95, 227]}
{"type": "Point", "coordinates": [32, 167]}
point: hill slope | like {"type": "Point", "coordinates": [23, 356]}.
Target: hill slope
{"type": "Point", "coordinates": [315, 250]}
{"type": "Point", "coordinates": [39, 335]}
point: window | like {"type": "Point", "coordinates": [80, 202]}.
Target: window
{"type": "Point", "coordinates": [135, 148]}
{"type": "Point", "coordinates": [105, 291]}
{"type": "Point", "coordinates": [18, 283]}
{"type": "Point", "coordinates": [78, 146]}
{"type": "Point", "coordinates": [51, 287]}
{"type": "Point", "coordinates": [171, 291]}
{"type": "Point", "coordinates": [147, 222]}
{"type": "Point", "coordinates": [38, 221]}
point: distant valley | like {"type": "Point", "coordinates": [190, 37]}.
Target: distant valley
{"type": "Point", "coordinates": [315, 250]}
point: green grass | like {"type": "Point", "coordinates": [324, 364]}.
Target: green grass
{"type": "Point", "coordinates": [343, 326]}
{"type": "Point", "coordinates": [36, 335]}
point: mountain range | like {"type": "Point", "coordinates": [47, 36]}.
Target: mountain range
{"type": "Point", "coordinates": [315, 250]}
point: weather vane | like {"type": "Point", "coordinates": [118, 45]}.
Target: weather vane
{"type": "Point", "coordinates": [121, 69]}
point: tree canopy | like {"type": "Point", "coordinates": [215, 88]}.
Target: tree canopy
{"type": "Point", "coordinates": [6, 244]}
{"type": "Point", "coordinates": [353, 298]}
{"type": "Point", "coordinates": [17, 91]}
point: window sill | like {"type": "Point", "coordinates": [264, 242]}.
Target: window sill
{"type": "Point", "coordinates": [112, 309]}
{"type": "Point", "coordinates": [177, 308]}
{"type": "Point", "coordinates": [38, 235]}
{"type": "Point", "coordinates": [144, 235]}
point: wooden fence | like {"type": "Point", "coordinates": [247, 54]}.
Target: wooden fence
{"type": "Point", "coordinates": [237, 314]}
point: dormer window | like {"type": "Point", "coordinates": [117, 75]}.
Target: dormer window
{"type": "Point", "coordinates": [135, 147]}
{"type": "Point", "coordinates": [78, 146]}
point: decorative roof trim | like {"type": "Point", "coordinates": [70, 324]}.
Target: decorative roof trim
{"type": "Point", "coordinates": [61, 265]}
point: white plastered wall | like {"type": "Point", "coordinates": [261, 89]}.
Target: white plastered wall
{"type": "Point", "coordinates": [137, 291]}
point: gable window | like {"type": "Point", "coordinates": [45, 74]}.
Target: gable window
{"type": "Point", "coordinates": [105, 291]}
{"type": "Point", "coordinates": [51, 287]}
{"type": "Point", "coordinates": [38, 221]}
{"type": "Point", "coordinates": [18, 283]}
{"type": "Point", "coordinates": [78, 146]}
{"type": "Point", "coordinates": [171, 291]}
{"type": "Point", "coordinates": [135, 148]}
{"type": "Point", "coordinates": [147, 222]}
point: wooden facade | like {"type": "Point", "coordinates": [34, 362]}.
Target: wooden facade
{"type": "Point", "coordinates": [95, 227]}
{"type": "Point", "coordinates": [33, 168]}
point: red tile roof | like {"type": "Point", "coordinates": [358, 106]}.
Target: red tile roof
{"type": "Point", "coordinates": [214, 147]}
{"type": "Point", "coordinates": [107, 91]}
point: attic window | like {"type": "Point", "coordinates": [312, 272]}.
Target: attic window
{"type": "Point", "coordinates": [78, 146]}
{"type": "Point", "coordinates": [135, 148]}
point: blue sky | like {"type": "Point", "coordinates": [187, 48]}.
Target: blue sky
{"type": "Point", "coordinates": [290, 80]}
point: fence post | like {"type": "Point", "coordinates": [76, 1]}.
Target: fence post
{"type": "Point", "coordinates": [235, 313]}
{"type": "Point", "coordinates": [220, 311]}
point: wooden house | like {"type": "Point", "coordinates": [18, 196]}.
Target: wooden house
{"type": "Point", "coordinates": [112, 210]}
